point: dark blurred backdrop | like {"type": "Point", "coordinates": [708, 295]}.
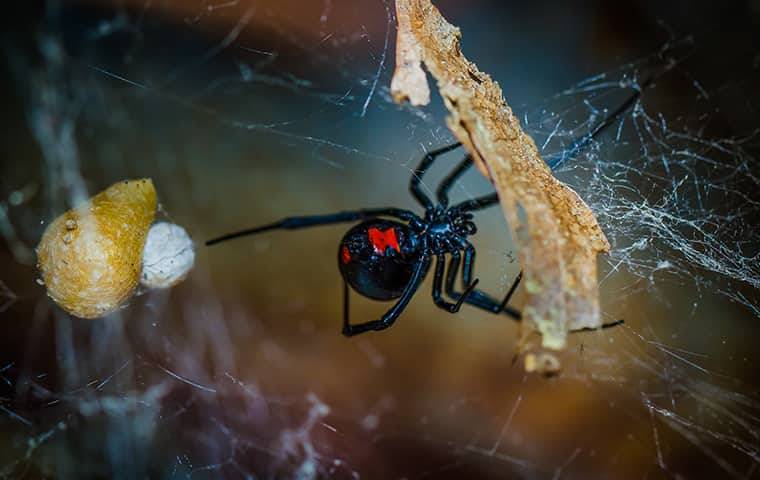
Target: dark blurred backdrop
{"type": "Point", "coordinates": [243, 112]}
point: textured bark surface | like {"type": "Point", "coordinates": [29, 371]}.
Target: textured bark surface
{"type": "Point", "coordinates": [556, 233]}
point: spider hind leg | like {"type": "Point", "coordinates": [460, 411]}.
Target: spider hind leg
{"type": "Point", "coordinates": [393, 313]}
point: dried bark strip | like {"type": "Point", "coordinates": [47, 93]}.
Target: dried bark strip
{"type": "Point", "coordinates": [556, 233]}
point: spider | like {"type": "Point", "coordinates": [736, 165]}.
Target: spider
{"type": "Point", "coordinates": [388, 255]}
{"type": "Point", "coordinates": [388, 258]}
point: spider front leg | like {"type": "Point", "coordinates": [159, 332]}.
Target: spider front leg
{"type": "Point", "coordinates": [295, 223]}
{"type": "Point", "coordinates": [476, 204]}
{"type": "Point", "coordinates": [427, 161]}
{"type": "Point", "coordinates": [442, 193]}
{"type": "Point", "coordinates": [393, 313]}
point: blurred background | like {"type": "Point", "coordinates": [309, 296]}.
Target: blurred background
{"type": "Point", "coordinates": [245, 111]}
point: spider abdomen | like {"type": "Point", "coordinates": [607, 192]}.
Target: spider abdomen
{"type": "Point", "coordinates": [377, 258]}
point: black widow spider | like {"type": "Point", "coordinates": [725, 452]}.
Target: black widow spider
{"type": "Point", "coordinates": [388, 259]}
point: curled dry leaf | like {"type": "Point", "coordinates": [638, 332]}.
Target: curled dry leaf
{"type": "Point", "coordinates": [556, 233]}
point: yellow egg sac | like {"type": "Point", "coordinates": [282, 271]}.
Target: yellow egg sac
{"type": "Point", "coordinates": [91, 256]}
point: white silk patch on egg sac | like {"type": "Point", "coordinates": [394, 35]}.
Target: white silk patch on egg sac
{"type": "Point", "coordinates": [168, 256]}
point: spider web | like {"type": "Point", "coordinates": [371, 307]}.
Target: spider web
{"type": "Point", "coordinates": [244, 112]}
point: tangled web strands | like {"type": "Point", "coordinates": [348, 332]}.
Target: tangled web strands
{"type": "Point", "coordinates": [173, 392]}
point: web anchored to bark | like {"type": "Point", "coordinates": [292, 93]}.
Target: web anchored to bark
{"type": "Point", "coordinates": [557, 235]}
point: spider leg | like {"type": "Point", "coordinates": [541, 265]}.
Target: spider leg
{"type": "Point", "coordinates": [346, 315]}
{"type": "Point", "coordinates": [477, 298]}
{"type": "Point", "coordinates": [553, 161]}
{"type": "Point", "coordinates": [451, 274]}
{"type": "Point", "coordinates": [483, 301]}
{"type": "Point", "coordinates": [293, 223]}
{"type": "Point", "coordinates": [437, 285]}
{"type": "Point", "coordinates": [393, 313]}
{"type": "Point", "coordinates": [580, 143]}
{"type": "Point", "coordinates": [476, 204]}
{"type": "Point", "coordinates": [442, 193]}
{"type": "Point", "coordinates": [556, 160]}
{"type": "Point", "coordinates": [417, 174]}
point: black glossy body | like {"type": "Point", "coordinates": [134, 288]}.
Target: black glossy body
{"type": "Point", "coordinates": [378, 272]}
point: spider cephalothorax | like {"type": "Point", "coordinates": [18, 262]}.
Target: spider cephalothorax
{"type": "Point", "coordinates": [447, 229]}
